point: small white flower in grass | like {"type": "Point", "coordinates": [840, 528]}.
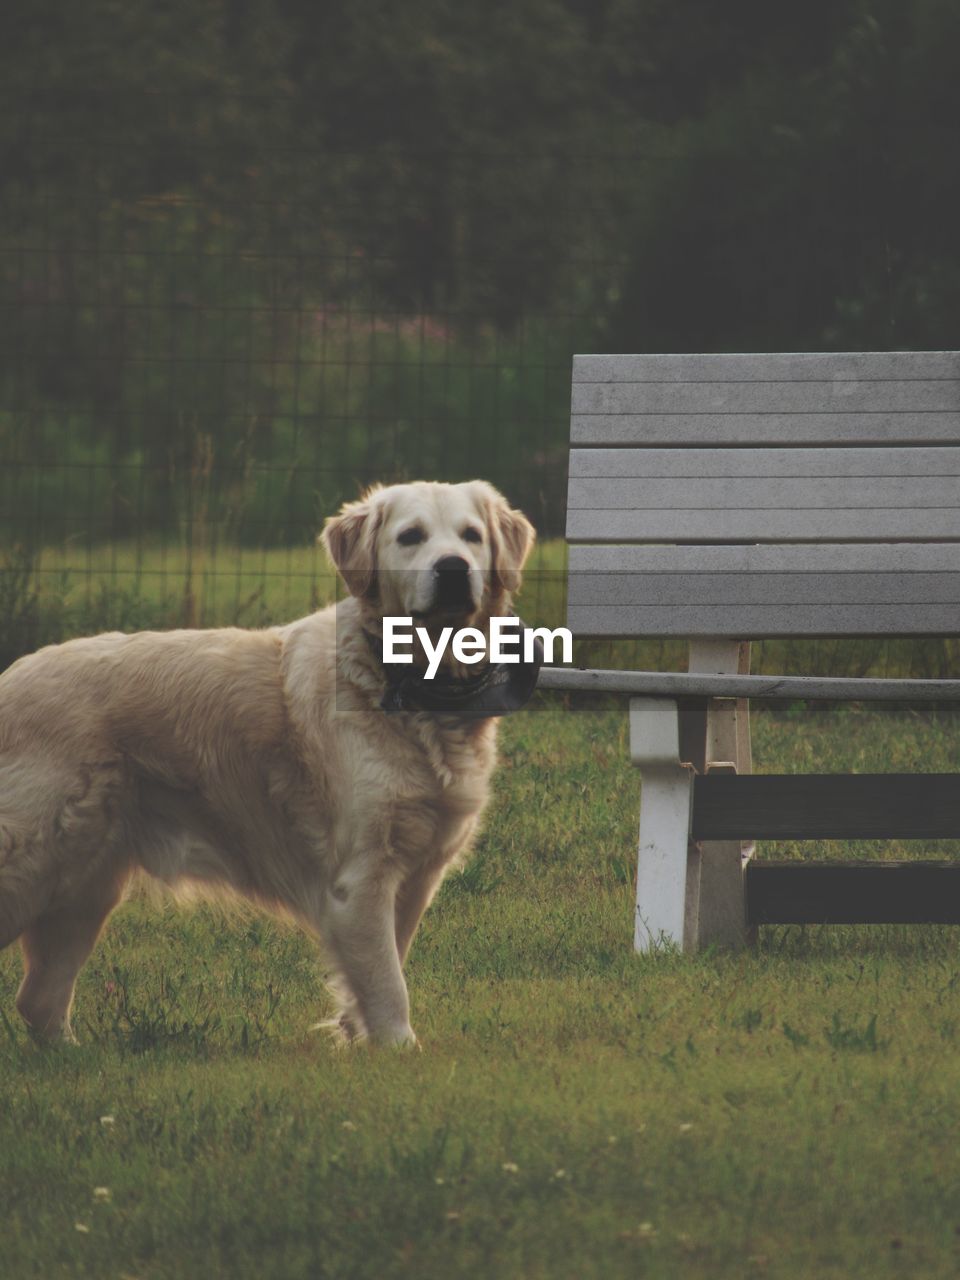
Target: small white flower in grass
{"type": "Point", "coordinates": [107, 1121]}
{"type": "Point", "coordinates": [509, 1167]}
{"type": "Point", "coordinates": [82, 1228]}
{"type": "Point", "coordinates": [101, 1193]}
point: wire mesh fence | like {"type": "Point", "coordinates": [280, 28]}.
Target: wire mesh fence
{"type": "Point", "coordinates": [211, 340]}
{"type": "Point", "coordinates": [212, 334]}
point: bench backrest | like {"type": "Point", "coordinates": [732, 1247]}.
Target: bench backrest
{"type": "Point", "coordinates": [761, 495]}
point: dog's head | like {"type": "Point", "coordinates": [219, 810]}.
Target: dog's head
{"type": "Point", "coordinates": [440, 553]}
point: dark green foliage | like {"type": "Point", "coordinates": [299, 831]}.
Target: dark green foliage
{"type": "Point", "coordinates": [255, 255]}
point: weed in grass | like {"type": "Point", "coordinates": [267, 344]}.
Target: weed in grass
{"type": "Point", "coordinates": [795, 1037]}
{"type": "Point", "coordinates": [749, 1020]}
{"type": "Point", "coordinates": [842, 1035]}
{"type": "Point", "coordinates": [476, 878]}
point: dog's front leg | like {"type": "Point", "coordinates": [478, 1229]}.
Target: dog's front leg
{"type": "Point", "coordinates": [417, 890]}
{"type": "Point", "coordinates": [359, 929]}
{"type": "Point", "coordinates": [413, 898]}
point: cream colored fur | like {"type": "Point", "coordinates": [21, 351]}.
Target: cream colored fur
{"type": "Point", "coordinates": [258, 763]}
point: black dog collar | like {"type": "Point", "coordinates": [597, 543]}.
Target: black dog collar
{"type": "Point", "coordinates": [501, 687]}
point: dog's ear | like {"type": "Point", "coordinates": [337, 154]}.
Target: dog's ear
{"type": "Point", "coordinates": [511, 539]}
{"type": "Point", "coordinates": [350, 540]}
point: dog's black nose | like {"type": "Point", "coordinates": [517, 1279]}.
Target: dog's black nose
{"type": "Point", "coordinates": [453, 583]}
{"type": "Point", "coordinates": [451, 564]}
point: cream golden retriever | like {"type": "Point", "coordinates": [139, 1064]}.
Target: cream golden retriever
{"type": "Point", "coordinates": [259, 762]}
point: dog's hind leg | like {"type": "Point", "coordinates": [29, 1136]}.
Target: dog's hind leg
{"type": "Point", "coordinates": [26, 876]}
{"type": "Point", "coordinates": [55, 947]}
{"type": "Point", "coordinates": [17, 910]}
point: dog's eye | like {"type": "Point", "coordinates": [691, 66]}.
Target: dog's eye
{"type": "Point", "coordinates": [470, 534]}
{"type": "Point", "coordinates": [410, 537]}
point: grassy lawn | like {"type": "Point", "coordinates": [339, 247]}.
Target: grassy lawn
{"type": "Point", "coordinates": [576, 1111]}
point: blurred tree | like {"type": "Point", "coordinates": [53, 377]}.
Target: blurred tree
{"type": "Point", "coordinates": [814, 205]}
{"type": "Point", "coordinates": [218, 217]}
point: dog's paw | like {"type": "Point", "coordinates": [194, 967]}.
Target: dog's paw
{"type": "Point", "coordinates": [52, 1041]}
{"type": "Point", "coordinates": [395, 1038]}
{"type": "Point", "coordinates": [346, 1030]}
{"type": "Point", "coordinates": [343, 1028]}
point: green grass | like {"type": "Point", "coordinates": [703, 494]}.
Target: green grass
{"type": "Point", "coordinates": [576, 1111]}
{"type": "Point", "coordinates": [318, 404]}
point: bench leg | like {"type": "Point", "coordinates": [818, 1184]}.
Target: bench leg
{"type": "Point", "coordinates": [722, 919]}
{"type": "Point", "coordinates": [725, 734]}
{"type": "Point", "coordinates": [667, 864]}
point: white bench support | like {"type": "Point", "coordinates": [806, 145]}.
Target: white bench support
{"type": "Point", "coordinates": [689, 893]}
{"type": "Point", "coordinates": [668, 866]}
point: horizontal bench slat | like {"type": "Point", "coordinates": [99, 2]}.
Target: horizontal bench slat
{"type": "Point", "coordinates": [784, 366]}
{"type": "Point", "coordinates": [826, 806]}
{"type": "Point", "coordinates": [776, 429]}
{"type": "Point", "coordinates": [765, 464]}
{"type": "Point", "coordinates": [749, 525]}
{"type": "Point", "coordinates": [876, 557]}
{"type": "Point", "coordinates": [834, 396]}
{"type": "Point", "coordinates": [753, 622]}
{"type": "Point", "coordinates": [816, 494]}
{"type": "Point", "coordinates": [683, 684]}
{"type": "Point", "coordinates": [687, 590]}
{"type": "Point", "coordinates": [852, 892]}
{"type": "Point", "coordinates": [735, 589]}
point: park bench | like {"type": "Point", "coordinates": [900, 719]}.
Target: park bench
{"type": "Point", "coordinates": [724, 498]}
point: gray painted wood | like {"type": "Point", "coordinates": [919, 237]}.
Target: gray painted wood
{"type": "Point", "coordinates": [940, 396]}
{"type": "Point", "coordinates": [777, 493]}
{"type": "Point", "coordinates": [763, 525]}
{"type": "Point", "coordinates": [857, 558]}
{"type": "Point", "coordinates": [682, 684]}
{"type": "Point", "coordinates": [757, 621]}
{"type": "Point", "coordinates": [788, 366]}
{"type": "Point", "coordinates": [628, 589]}
{"type": "Point", "coordinates": [740, 429]}
{"type": "Point", "coordinates": [766, 464]}
{"type": "Point", "coordinates": [826, 806]}
{"type": "Point", "coordinates": [802, 589]}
